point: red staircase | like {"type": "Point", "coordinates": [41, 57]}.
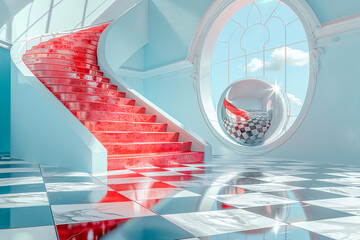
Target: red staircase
{"type": "Point", "coordinates": [67, 66]}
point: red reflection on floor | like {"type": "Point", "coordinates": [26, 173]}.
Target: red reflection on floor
{"type": "Point", "coordinates": [149, 170]}
{"type": "Point", "coordinates": [130, 175]}
{"type": "Point", "coordinates": [112, 196]}
{"type": "Point", "coordinates": [87, 230]}
{"type": "Point", "coordinates": [139, 186]}
{"type": "Point", "coordinates": [192, 172]}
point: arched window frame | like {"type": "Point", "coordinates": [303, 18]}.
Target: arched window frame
{"type": "Point", "coordinates": [200, 55]}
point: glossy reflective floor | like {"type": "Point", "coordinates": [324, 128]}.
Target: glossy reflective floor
{"type": "Point", "coordinates": [228, 198]}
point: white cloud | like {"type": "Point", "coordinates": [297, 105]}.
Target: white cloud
{"type": "Point", "coordinates": [276, 62]}
{"type": "Point", "coordinates": [296, 57]}
{"type": "Point", "coordinates": [295, 100]}
{"type": "Point", "coordinates": [255, 65]}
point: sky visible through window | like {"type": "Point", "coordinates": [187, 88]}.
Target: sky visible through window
{"type": "Point", "coordinates": [263, 39]}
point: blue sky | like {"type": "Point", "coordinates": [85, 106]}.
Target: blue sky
{"type": "Point", "coordinates": [253, 29]}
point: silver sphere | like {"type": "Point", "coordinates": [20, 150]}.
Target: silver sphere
{"type": "Point", "coordinates": [253, 111]}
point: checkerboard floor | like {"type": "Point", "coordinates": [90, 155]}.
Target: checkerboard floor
{"type": "Point", "coordinates": [228, 198]}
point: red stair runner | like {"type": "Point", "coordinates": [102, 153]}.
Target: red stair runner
{"type": "Point", "coordinates": [67, 66]}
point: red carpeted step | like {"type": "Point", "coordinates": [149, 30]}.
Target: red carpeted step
{"type": "Point", "coordinates": [85, 33]}
{"type": "Point", "coordinates": [128, 137]}
{"type": "Point", "coordinates": [101, 115]}
{"type": "Point", "coordinates": [102, 80]}
{"type": "Point", "coordinates": [124, 126]}
{"type": "Point", "coordinates": [66, 43]}
{"type": "Point", "coordinates": [91, 106]}
{"type": "Point", "coordinates": [153, 147]}
{"type": "Point", "coordinates": [60, 67]}
{"type": "Point", "coordinates": [63, 74]}
{"type": "Point", "coordinates": [68, 40]}
{"type": "Point", "coordinates": [153, 159]}
{"type": "Point", "coordinates": [53, 46]}
{"type": "Point", "coordinates": [60, 56]}
{"type": "Point", "coordinates": [80, 89]}
{"type": "Point", "coordinates": [65, 52]}
{"type": "Point", "coordinates": [78, 40]}
{"type": "Point", "coordinates": [84, 36]}
{"type": "Point", "coordinates": [45, 61]}
{"type": "Point", "coordinates": [79, 82]}
{"type": "Point", "coordinates": [93, 98]}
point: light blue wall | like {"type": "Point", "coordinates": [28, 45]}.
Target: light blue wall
{"type": "Point", "coordinates": [330, 132]}
{"type": "Point", "coordinates": [331, 10]}
{"type": "Point", "coordinates": [120, 47]}
{"type": "Point", "coordinates": [172, 25]}
{"type": "Point", "coordinates": [4, 100]}
{"type": "Point", "coordinates": [126, 36]}
{"type": "Point", "coordinates": [135, 62]}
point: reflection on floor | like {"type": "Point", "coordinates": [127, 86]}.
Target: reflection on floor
{"type": "Point", "coordinates": [227, 199]}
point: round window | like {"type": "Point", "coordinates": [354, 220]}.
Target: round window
{"type": "Point", "coordinates": [265, 45]}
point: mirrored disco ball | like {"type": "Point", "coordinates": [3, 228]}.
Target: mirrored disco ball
{"type": "Point", "coordinates": [252, 111]}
